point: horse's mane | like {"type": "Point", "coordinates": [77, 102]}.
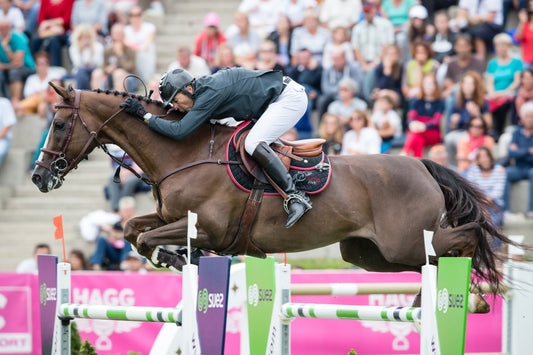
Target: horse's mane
{"type": "Point", "coordinates": [125, 94]}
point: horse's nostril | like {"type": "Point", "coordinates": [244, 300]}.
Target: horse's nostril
{"type": "Point", "coordinates": [36, 179]}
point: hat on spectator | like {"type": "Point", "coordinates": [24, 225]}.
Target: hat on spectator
{"type": "Point", "coordinates": [211, 19]}
{"type": "Point", "coordinates": [368, 6]}
{"type": "Point", "coordinates": [418, 11]}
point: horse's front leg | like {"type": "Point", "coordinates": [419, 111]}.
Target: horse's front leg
{"type": "Point", "coordinates": [137, 225]}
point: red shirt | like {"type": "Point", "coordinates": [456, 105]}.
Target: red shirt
{"type": "Point", "coordinates": [206, 47]}
{"type": "Point", "coordinates": [527, 43]}
{"type": "Point", "coordinates": [56, 8]}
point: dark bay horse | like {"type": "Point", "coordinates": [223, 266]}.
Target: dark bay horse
{"type": "Point", "coordinates": [376, 206]}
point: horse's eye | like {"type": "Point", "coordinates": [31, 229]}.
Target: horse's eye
{"type": "Point", "coordinates": [59, 126]}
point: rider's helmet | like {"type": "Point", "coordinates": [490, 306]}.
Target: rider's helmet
{"type": "Point", "coordinates": [173, 82]}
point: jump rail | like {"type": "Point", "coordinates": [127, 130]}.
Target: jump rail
{"type": "Point", "coordinates": [132, 313]}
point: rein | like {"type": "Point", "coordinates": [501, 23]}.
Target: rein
{"type": "Point", "coordinates": [59, 165]}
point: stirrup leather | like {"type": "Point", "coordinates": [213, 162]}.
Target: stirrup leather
{"type": "Point", "coordinates": [296, 197]}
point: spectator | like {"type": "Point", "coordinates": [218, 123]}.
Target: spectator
{"type": "Point", "coordinates": [343, 13]}
{"type": "Point", "coordinates": [421, 64]}
{"type": "Point", "coordinates": [128, 183]}
{"type": "Point", "coordinates": [525, 92]}
{"type": "Point", "coordinates": [7, 121]}
{"type": "Point", "coordinates": [267, 57]}
{"type": "Point", "coordinates": [518, 5]}
{"type": "Point", "coordinates": [30, 265]}
{"type": "Point", "coordinates": [340, 39]}
{"type": "Point", "coordinates": [77, 260]}
{"type": "Point", "coordinates": [332, 131]}
{"type": "Point", "coordinates": [36, 85]}
{"type": "Point", "coordinates": [397, 11]}
{"type": "Point", "coordinates": [209, 40]}
{"type": "Point", "coordinates": [442, 41]}
{"type": "Point", "coordinates": [491, 179]}
{"type": "Point", "coordinates": [386, 121]}
{"type": "Point", "coordinates": [193, 64]}
{"type": "Point", "coordinates": [294, 10]}
{"type": "Point", "coordinates": [424, 118]}
{"type": "Point", "coordinates": [347, 102]}
{"type": "Point", "coordinates": [16, 62]}
{"type": "Point", "coordinates": [388, 74]}
{"type": "Point", "coordinates": [361, 139]}
{"type": "Point", "coordinates": [244, 40]}
{"type": "Point", "coordinates": [90, 12]}
{"type": "Point", "coordinates": [263, 14]}
{"type": "Point", "coordinates": [140, 36]}
{"type": "Point", "coordinates": [438, 154]}
{"type": "Point", "coordinates": [13, 14]}
{"type": "Point", "coordinates": [469, 145]}
{"type": "Point", "coordinates": [54, 25]}
{"type": "Point", "coordinates": [483, 20]}
{"type": "Point", "coordinates": [224, 58]}
{"type": "Point", "coordinates": [521, 154]}
{"type": "Point", "coordinates": [329, 84]}
{"type": "Point", "coordinates": [368, 39]}
{"type": "Point", "coordinates": [134, 263]}
{"type": "Point", "coordinates": [418, 30]}
{"type": "Point", "coordinates": [281, 36]}
{"type": "Point", "coordinates": [30, 11]}
{"type": "Point", "coordinates": [118, 62]}
{"type": "Point", "coordinates": [502, 80]}
{"type": "Point", "coordinates": [86, 54]}
{"type": "Point", "coordinates": [310, 36]}
{"type": "Point", "coordinates": [524, 35]}
{"type": "Point", "coordinates": [470, 102]}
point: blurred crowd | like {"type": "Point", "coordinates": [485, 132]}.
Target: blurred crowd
{"type": "Point", "coordinates": [448, 80]}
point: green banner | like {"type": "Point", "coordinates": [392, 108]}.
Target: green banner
{"type": "Point", "coordinates": [261, 288]}
{"type": "Point", "coordinates": [453, 283]}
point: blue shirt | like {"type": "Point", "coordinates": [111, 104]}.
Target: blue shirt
{"type": "Point", "coordinates": [522, 157]}
{"type": "Point", "coordinates": [18, 42]}
{"type": "Point", "coordinates": [465, 115]}
{"type": "Point", "coordinates": [504, 74]}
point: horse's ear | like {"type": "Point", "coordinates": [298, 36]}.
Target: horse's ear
{"type": "Point", "coordinates": [61, 91]}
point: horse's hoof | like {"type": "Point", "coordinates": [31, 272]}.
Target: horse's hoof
{"type": "Point", "coordinates": [417, 302]}
{"type": "Point", "coordinates": [171, 260]}
{"type": "Point", "coordinates": [477, 304]}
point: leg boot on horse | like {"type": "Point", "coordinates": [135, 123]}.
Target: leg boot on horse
{"type": "Point", "coordinates": [297, 202]}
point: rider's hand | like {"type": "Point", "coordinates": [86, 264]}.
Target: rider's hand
{"type": "Point", "coordinates": [134, 107]}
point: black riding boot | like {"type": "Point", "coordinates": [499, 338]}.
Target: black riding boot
{"type": "Point", "coordinates": [297, 203]}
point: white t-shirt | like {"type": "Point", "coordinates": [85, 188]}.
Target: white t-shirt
{"type": "Point", "coordinates": [27, 266]}
{"type": "Point", "coordinates": [15, 18]}
{"type": "Point", "coordinates": [483, 7]}
{"type": "Point", "coordinates": [34, 84]}
{"type": "Point", "coordinates": [7, 118]}
{"type": "Point", "coordinates": [395, 120]}
{"type": "Point", "coordinates": [368, 141]}
{"type": "Point", "coordinates": [197, 67]}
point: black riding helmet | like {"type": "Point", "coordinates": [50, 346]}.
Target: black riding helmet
{"type": "Point", "coordinates": [174, 82]}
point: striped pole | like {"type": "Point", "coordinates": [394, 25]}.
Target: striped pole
{"type": "Point", "coordinates": [127, 313]}
{"type": "Point", "coordinates": [371, 313]}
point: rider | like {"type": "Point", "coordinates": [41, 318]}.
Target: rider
{"type": "Point", "coordinates": [277, 101]}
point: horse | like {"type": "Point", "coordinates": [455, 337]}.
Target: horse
{"type": "Point", "coordinates": [375, 206]}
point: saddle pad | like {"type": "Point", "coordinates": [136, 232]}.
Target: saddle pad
{"type": "Point", "coordinates": [311, 175]}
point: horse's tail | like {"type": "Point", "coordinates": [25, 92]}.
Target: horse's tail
{"type": "Point", "coordinates": [466, 203]}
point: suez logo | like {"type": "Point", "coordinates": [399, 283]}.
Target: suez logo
{"type": "Point", "coordinates": [208, 300]}
{"type": "Point", "coordinates": [256, 295]}
{"type": "Point", "coordinates": [47, 294]}
{"type": "Point", "coordinates": [447, 300]}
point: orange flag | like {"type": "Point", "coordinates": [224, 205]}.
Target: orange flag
{"type": "Point", "coordinates": [58, 223]}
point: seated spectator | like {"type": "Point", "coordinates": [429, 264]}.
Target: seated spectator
{"type": "Point", "coordinates": [263, 14]}
{"type": "Point", "coordinates": [128, 183]}
{"type": "Point", "coordinates": [16, 62]}
{"type": "Point", "coordinates": [140, 36]}
{"type": "Point", "coordinates": [524, 35]}
{"type": "Point", "coordinates": [388, 74]}
{"type": "Point", "coordinates": [525, 93]}
{"type": "Point", "coordinates": [483, 20]}
{"type": "Point", "coordinates": [92, 13]}
{"type": "Point", "coordinates": [442, 41]}
{"type": "Point", "coordinates": [424, 118]}
{"type": "Point", "coordinates": [7, 121]}
{"type": "Point", "coordinates": [385, 119]}
{"type": "Point", "coordinates": [293, 11]}
{"type": "Point", "coordinates": [332, 131]}
{"type": "Point", "coordinates": [521, 154]}
{"type": "Point", "coordinates": [267, 57]}
{"type": "Point", "coordinates": [421, 64]}
{"type": "Point", "coordinates": [469, 145]}
{"type": "Point", "coordinates": [491, 179]}
{"type": "Point", "coordinates": [502, 80]}
{"type": "Point", "coordinates": [86, 54]}
{"type": "Point", "coordinates": [397, 11]}
{"type": "Point", "coordinates": [30, 11]}
{"type": "Point", "coordinates": [361, 138]}
{"type": "Point", "coordinates": [30, 265]}
{"type": "Point", "coordinates": [470, 102]}
{"type": "Point", "coordinates": [331, 77]}
{"type": "Point", "coordinates": [310, 36]}
{"type": "Point", "coordinates": [347, 102]}
{"type": "Point", "coordinates": [193, 64]}
{"type": "Point", "coordinates": [333, 12]}
{"type": "Point", "coordinates": [244, 40]}
{"type": "Point", "coordinates": [224, 58]}
{"type": "Point", "coordinates": [281, 37]}
{"type": "Point", "coordinates": [118, 62]}
{"type": "Point", "coordinates": [339, 39]}
{"type": "Point", "coordinates": [209, 40]}
{"type": "Point", "coordinates": [36, 85]}
{"type": "Point", "coordinates": [438, 154]}
{"type": "Point", "coordinates": [13, 14]}
{"type": "Point", "coordinates": [54, 26]}
{"type": "Point", "coordinates": [418, 30]}
{"type": "Point", "coordinates": [77, 260]}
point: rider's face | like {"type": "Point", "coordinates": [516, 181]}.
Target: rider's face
{"type": "Point", "coordinates": [182, 102]}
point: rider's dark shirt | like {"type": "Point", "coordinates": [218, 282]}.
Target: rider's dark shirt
{"type": "Point", "coordinates": [234, 92]}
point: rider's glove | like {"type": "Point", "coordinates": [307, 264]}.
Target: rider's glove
{"type": "Point", "coordinates": [134, 107]}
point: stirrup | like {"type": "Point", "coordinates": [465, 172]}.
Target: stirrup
{"type": "Point", "coordinates": [296, 197]}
